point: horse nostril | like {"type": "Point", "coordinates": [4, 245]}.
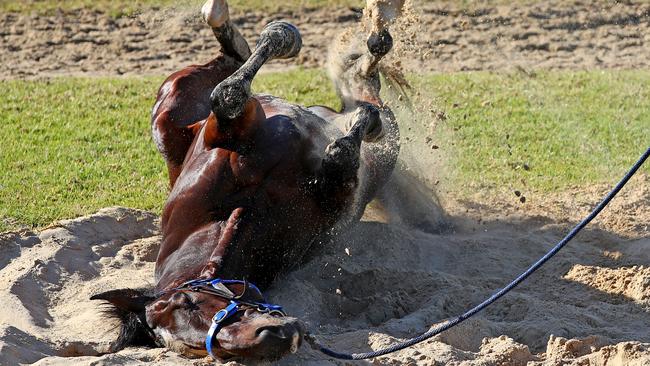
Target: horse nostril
{"type": "Point", "coordinates": [270, 331]}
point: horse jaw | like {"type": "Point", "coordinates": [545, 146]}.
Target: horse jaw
{"type": "Point", "coordinates": [178, 346]}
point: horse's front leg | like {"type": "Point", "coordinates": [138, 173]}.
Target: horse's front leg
{"type": "Point", "coordinates": [236, 113]}
{"type": "Point", "coordinates": [354, 68]}
{"type": "Point", "coordinates": [338, 177]}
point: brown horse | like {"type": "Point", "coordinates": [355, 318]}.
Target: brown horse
{"type": "Point", "coordinates": [256, 182]}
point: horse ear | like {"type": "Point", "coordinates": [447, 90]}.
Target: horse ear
{"type": "Point", "coordinates": [129, 300]}
{"type": "Point", "coordinates": [128, 307]}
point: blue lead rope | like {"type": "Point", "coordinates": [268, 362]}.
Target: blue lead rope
{"type": "Point", "coordinates": [471, 312]}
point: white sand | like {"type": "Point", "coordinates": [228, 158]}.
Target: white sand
{"type": "Point", "coordinates": [589, 306]}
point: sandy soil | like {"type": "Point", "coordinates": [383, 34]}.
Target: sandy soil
{"type": "Point", "coordinates": [382, 281]}
{"type": "Point", "coordinates": [442, 38]}
{"type": "Point", "coordinates": [379, 283]}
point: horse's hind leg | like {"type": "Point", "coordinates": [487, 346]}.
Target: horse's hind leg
{"type": "Point", "coordinates": [216, 15]}
{"type": "Point", "coordinates": [353, 60]}
{"type": "Point", "coordinates": [184, 98]}
{"type": "Point", "coordinates": [183, 101]}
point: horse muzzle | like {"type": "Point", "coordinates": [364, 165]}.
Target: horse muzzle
{"type": "Point", "coordinates": [264, 337]}
{"type": "Point", "coordinates": [285, 338]}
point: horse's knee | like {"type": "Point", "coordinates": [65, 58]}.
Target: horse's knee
{"type": "Point", "coordinates": [366, 122]}
{"type": "Point", "coordinates": [342, 159]}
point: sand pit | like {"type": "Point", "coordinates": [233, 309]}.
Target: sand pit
{"type": "Point", "coordinates": [589, 305]}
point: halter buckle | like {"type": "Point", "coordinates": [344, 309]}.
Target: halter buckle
{"type": "Point", "coordinates": [225, 313]}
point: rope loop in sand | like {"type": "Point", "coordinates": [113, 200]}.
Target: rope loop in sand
{"type": "Point", "coordinates": [471, 312]}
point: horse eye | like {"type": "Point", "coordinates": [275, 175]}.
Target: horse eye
{"type": "Point", "coordinates": [182, 299]}
{"type": "Point", "coordinates": [189, 300]}
{"type": "Point", "coordinates": [177, 297]}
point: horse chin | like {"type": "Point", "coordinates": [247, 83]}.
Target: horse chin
{"type": "Point", "coordinates": [185, 350]}
{"type": "Point", "coordinates": [178, 346]}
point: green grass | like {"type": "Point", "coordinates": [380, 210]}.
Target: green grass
{"type": "Point", "coordinates": [547, 132]}
{"type": "Point", "coordinates": [72, 146]}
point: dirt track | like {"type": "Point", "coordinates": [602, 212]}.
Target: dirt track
{"type": "Point", "coordinates": [556, 35]}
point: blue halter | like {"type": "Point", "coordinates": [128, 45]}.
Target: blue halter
{"type": "Point", "coordinates": [217, 287]}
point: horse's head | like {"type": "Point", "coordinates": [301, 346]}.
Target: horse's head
{"type": "Point", "coordinates": [231, 318]}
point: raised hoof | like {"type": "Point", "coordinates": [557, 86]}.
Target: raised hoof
{"type": "Point", "coordinates": [284, 39]}
{"type": "Point", "coordinates": [379, 44]}
{"type": "Point", "coordinates": [215, 13]}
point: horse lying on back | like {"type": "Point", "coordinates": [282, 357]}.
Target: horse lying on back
{"type": "Point", "coordinates": [256, 182]}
